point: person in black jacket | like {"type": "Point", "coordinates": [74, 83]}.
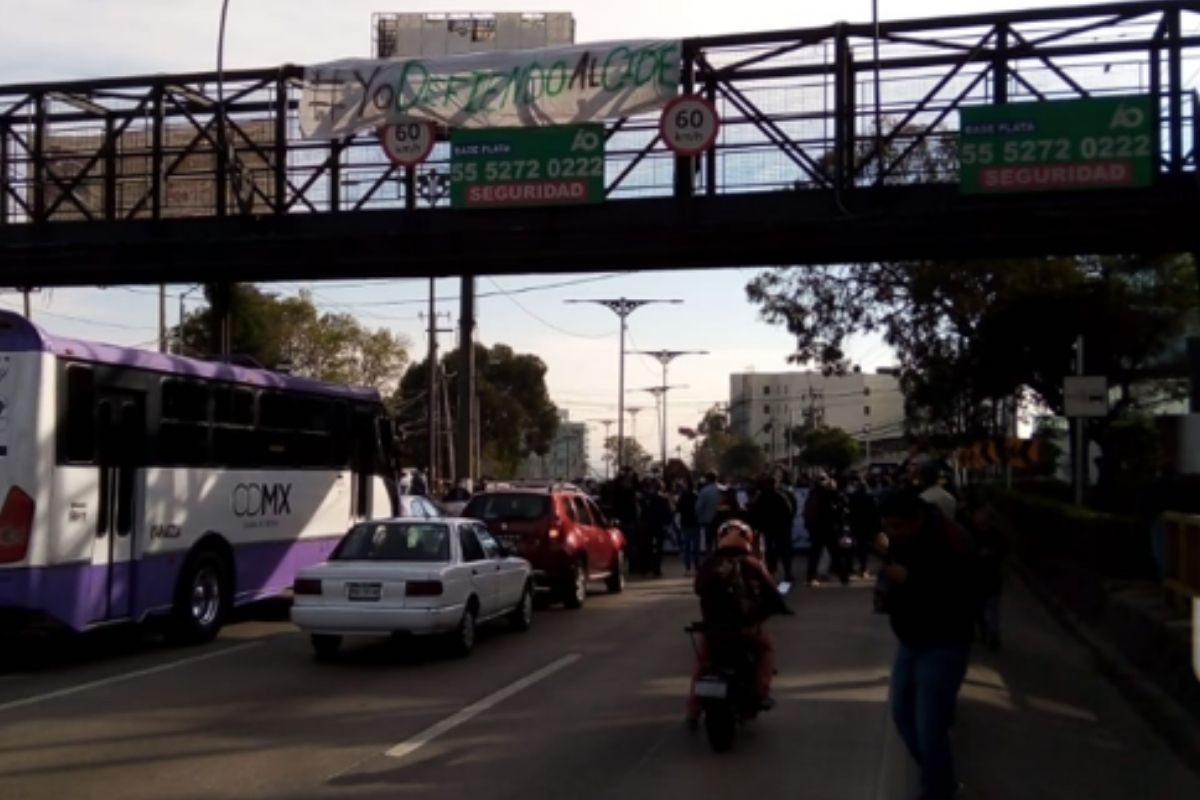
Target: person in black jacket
{"type": "Point", "coordinates": [926, 589]}
{"type": "Point", "coordinates": [771, 516]}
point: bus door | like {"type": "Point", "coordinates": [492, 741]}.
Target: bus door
{"type": "Point", "coordinates": [362, 495]}
{"type": "Point", "coordinates": [121, 434]}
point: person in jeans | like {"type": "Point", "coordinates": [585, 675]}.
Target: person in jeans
{"type": "Point", "coordinates": [707, 502]}
{"type": "Point", "coordinates": [689, 526]}
{"type": "Point", "coordinates": [926, 589]}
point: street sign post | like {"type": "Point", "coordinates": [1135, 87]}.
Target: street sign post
{"type": "Point", "coordinates": [553, 165]}
{"type": "Point", "coordinates": [1085, 396]}
{"type": "Point", "coordinates": [407, 143]}
{"type": "Point", "coordinates": [689, 125]}
{"type": "Point", "coordinates": [1096, 143]}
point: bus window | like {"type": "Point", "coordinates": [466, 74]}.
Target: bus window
{"type": "Point", "coordinates": [184, 401]}
{"type": "Point", "coordinates": [79, 431]}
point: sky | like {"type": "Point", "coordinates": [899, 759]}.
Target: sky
{"type": "Point", "coordinates": [73, 39]}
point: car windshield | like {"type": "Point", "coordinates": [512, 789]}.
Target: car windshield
{"type": "Point", "coordinates": [508, 507]}
{"type": "Point", "coordinates": [395, 541]}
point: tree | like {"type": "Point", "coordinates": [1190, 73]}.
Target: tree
{"type": "Point", "coordinates": [972, 336]}
{"type": "Point", "coordinates": [713, 439]}
{"type": "Point", "coordinates": [291, 331]}
{"type": "Point", "coordinates": [516, 416]}
{"type": "Point", "coordinates": [832, 449]}
{"type": "Point", "coordinates": [635, 455]}
{"type": "Point", "coordinates": [743, 459]}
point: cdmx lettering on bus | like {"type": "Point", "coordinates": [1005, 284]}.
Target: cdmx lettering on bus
{"type": "Point", "coordinates": [262, 500]}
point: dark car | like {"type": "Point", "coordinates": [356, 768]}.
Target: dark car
{"type": "Point", "coordinates": [561, 532]}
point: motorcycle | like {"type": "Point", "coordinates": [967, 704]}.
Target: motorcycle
{"type": "Point", "coordinates": [726, 688]}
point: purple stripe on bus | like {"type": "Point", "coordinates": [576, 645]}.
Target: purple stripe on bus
{"type": "Point", "coordinates": [18, 335]}
{"type": "Point", "coordinates": [75, 594]}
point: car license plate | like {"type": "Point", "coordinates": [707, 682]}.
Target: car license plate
{"type": "Point", "coordinates": [713, 688]}
{"type": "Point", "coordinates": [510, 542]}
{"type": "Point", "coordinates": [364, 591]}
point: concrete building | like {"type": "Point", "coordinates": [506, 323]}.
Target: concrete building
{"type": "Point", "coordinates": [763, 405]}
{"type": "Point", "coordinates": [567, 458]}
{"type": "Point", "coordinates": [409, 35]}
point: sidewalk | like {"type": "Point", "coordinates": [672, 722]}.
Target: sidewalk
{"type": "Point", "coordinates": [1038, 719]}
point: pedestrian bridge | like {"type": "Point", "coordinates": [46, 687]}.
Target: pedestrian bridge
{"type": "Point", "coordinates": [835, 145]}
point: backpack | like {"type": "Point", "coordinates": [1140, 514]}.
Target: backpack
{"type": "Point", "coordinates": [732, 600]}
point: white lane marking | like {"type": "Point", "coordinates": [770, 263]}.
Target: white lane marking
{"type": "Point", "coordinates": [127, 676]}
{"type": "Point", "coordinates": [426, 736]}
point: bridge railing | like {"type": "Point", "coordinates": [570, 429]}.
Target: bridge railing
{"type": "Point", "coordinates": [810, 110]}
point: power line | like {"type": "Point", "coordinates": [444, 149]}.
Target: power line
{"type": "Point", "coordinates": [88, 321]}
{"type": "Point", "coordinates": [549, 325]}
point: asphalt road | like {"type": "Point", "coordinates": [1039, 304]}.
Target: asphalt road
{"type": "Point", "coordinates": [586, 705]}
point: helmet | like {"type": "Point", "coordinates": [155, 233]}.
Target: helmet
{"type": "Point", "coordinates": [736, 534]}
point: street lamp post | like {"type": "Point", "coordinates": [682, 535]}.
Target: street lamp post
{"type": "Point", "coordinates": [623, 307]}
{"type": "Point", "coordinates": [660, 403]}
{"type": "Point", "coordinates": [665, 357]}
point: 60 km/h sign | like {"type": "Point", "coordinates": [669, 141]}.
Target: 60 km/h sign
{"type": "Point", "coordinates": [689, 125]}
{"type": "Point", "coordinates": [407, 143]}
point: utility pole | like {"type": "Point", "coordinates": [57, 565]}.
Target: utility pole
{"type": "Point", "coordinates": [433, 415]}
{"type": "Point", "coordinates": [28, 309]}
{"type": "Point", "coordinates": [623, 307]}
{"type": "Point", "coordinates": [163, 344]}
{"type": "Point", "coordinates": [665, 357]}
{"type": "Point", "coordinates": [466, 383]}
{"type": "Point", "coordinates": [660, 402]}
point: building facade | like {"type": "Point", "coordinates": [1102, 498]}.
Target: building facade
{"type": "Point", "coordinates": [409, 35]}
{"type": "Point", "coordinates": [567, 458]}
{"type": "Point", "coordinates": [764, 405]}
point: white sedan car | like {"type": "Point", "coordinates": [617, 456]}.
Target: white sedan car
{"type": "Point", "coordinates": [409, 575]}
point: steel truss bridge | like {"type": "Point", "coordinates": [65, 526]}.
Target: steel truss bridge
{"type": "Point", "coordinates": [133, 179]}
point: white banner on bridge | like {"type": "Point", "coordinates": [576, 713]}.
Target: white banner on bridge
{"type": "Point", "coordinates": [519, 88]}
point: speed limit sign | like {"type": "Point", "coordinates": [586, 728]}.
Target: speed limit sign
{"type": "Point", "coordinates": [689, 125]}
{"type": "Point", "coordinates": [407, 143]}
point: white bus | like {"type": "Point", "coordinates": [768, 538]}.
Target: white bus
{"type": "Point", "coordinates": [137, 485]}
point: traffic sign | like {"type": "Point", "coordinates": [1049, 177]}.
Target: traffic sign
{"type": "Point", "coordinates": [689, 125]}
{"type": "Point", "coordinates": [1085, 396]}
{"type": "Point", "coordinates": [407, 143]}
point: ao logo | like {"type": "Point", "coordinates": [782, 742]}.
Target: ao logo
{"type": "Point", "coordinates": [261, 500]}
{"type": "Point", "coordinates": [586, 140]}
{"type": "Point", "coordinates": [1126, 117]}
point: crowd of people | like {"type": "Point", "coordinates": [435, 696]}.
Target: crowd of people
{"type": "Point", "coordinates": [935, 554]}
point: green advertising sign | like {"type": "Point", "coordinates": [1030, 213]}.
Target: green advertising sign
{"type": "Point", "coordinates": [554, 165]}
{"type": "Point", "coordinates": [1097, 143]}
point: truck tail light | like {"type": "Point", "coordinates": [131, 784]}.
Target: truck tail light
{"type": "Point", "coordinates": [16, 525]}
{"type": "Point", "coordinates": [306, 586]}
{"type": "Point", "coordinates": [423, 589]}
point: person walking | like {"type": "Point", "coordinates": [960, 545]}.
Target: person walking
{"type": "Point", "coordinates": [689, 526]}
{"type": "Point", "coordinates": [864, 522]}
{"type": "Point", "coordinates": [925, 587]}
{"type": "Point", "coordinates": [823, 518]}
{"type": "Point", "coordinates": [656, 515]}
{"type": "Point", "coordinates": [771, 516]}
{"type": "Point", "coordinates": [708, 499]}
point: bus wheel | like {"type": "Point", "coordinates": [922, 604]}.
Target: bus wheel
{"type": "Point", "coordinates": [201, 599]}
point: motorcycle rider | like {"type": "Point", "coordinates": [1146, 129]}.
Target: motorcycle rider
{"type": "Point", "coordinates": [737, 595]}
